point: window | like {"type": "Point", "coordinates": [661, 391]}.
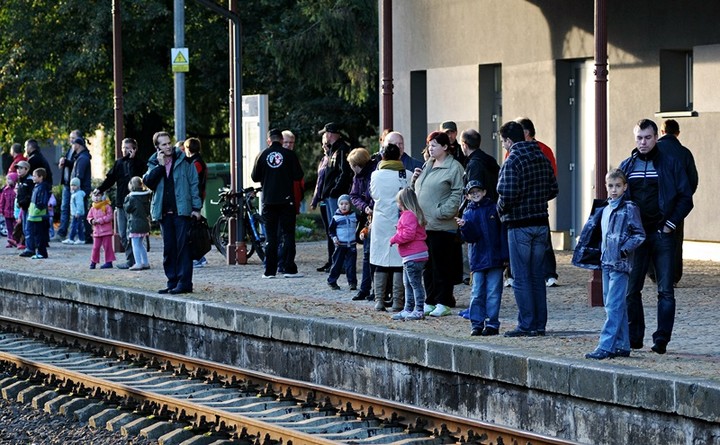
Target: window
{"type": "Point", "coordinates": [676, 75]}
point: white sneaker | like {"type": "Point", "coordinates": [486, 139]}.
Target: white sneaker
{"type": "Point", "coordinates": [401, 315]}
{"type": "Point", "coordinates": [551, 282]}
{"type": "Point", "coordinates": [429, 308]}
{"type": "Point", "coordinates": [440, 311]}
{"type": "Point", "coordinates": [267, 277]}
{"type": "Point", "coordinates": [79, 241]}
{"type": "Point", "coordinates": [293, 275]}
{"type": "Point", "coordinates": [509, 282]}
{"type": "Point", "coordinates": [68, 241]}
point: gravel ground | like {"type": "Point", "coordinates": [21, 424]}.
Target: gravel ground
{"type": "Point", "coordinates": [22, 424]}
{"type": "Point", "coordinates": [573, 326]}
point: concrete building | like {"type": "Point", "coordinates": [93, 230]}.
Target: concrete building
{"type": "Point", "coordinates": [484, 62]}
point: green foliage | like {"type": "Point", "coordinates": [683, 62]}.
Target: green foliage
{"type": "Point", "coordinates": [316, 59]}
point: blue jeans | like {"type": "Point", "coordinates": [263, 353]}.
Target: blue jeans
{"type": "Point", "coordinates": [485, 298]}
{"type": "Point", "coordinates": [27, 233]}
{"type": "Point", "coordinates": [344, 257]}
{"type": "Point", "coordinates": [367, 269]}
{"type": "Point", "coordinates": [139, 252]}
{"type": "Point", "coordinates": [527, 247]}
{"type": "Point", "coordinates": [660, 249]}
{"type": "Point", "coordinates": [414, 290]}
{"type": "Point", "coordinates": [77, 228]}
{"type": "Point", "coordinates": [177, 262]}
{"type": "Point", "coordinates": [615, 334]}
{"type": "Point", "coordinates": [65, 211]}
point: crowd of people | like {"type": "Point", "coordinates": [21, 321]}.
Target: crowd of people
{"type": "Point", "coordinates": [425, 227]}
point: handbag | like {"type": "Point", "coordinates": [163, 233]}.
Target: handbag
{"type": "Point", "coordinates": [199, 238]}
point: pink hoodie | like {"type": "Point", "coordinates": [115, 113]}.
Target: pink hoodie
{"type": "Point", "coordinates": [410, 238]}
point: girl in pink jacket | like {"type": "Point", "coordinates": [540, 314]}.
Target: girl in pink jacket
{"type": "Point", "coordinates": [410, 238]}
{"type": "Point", "coordinates": [100, 217]}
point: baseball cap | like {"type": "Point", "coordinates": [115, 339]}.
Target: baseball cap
{"type": "Point", "coordinates": [474, 184]}
{"type": "Point", "coordinates": [330, 127]}
{"type": "Point", "coordinates": [448, 126]}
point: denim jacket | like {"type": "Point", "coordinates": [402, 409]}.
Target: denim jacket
{"type": "Point", "coordinates": [624, 234]}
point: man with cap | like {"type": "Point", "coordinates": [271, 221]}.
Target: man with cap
{"type": "Point", "coordinates": [450, 128]}
{"type": "Point", "coordinates": [276, 169]}
{"type": "Point", "coordinates": [338, 174]}
{"type": "Point", "coordinates": [81, 170]}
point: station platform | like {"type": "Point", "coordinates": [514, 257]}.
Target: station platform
{"type": "Point", "coordinates": [684, 383]}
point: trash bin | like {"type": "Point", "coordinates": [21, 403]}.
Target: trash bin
{"type": "Point", "coordinates": [217, 178]}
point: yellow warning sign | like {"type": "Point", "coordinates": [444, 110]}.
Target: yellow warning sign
{"type": "Point", "coordinates": [180, 58]}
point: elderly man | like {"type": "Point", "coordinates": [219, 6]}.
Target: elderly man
{"type": "Point", "coordinates": [659, 185]}
{"type": "Point", "coordinates": [396, 138]}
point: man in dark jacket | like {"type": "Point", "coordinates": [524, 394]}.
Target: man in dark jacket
{"type": "Point", "coordinates": [338, 174]}
{"type": "Point", "coordinates": [119, 175]}
{"type": "Point", "coordinates": [82, 171]}
{"type": "Point", "coordinates": [480, 165]}
{"type": "Point", "coordinates": [37, 160]}
{"type": "Point", "coordinates": [658, 184]}
{"type": "Point", "coordinates": [276, 169]}
{"type": "Point", "coordinates": [670, 144]}
{"type": "Point", "coordinates": [66, 165]}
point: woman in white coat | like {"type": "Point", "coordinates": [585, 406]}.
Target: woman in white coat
{"type": "Point", "coordinates": [385, 182]}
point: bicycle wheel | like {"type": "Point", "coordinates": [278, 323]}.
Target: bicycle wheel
{"type": "Point", "coordinates": [220, 235]}
{"type": "Point", "coordinates": [251, 245]}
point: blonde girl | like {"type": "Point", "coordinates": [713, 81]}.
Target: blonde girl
{"type": "Point", "coordinates": [137, 209]}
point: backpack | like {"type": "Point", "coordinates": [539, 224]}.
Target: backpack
{"type": "Point", "coordinates": [199, 238]}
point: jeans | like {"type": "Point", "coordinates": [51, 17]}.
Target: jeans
{"type": "Point", "coordinates": [527, 247]}
{"type": "Point", "coordinates": [660, 249]}
{"type": "Point", "coordinates": [345, 257]}
{"type": "Point", "coordinates": [177, 262]}
{"type": "Point", "coordinates": [414, 290]}
{"type": "Point", "coordinates": [27, 233]}
{"type": "Point", "coordinates": [485, 298]}
{"type": "Point", "coordinates": [40, 232]}
{"type": "Point", "coordinates": [367, 269]}
{"type": "Point", "coordinates": [122, 230]}
{"type": "Point", "coordinates": [77, 228]}
{"type": "Point", "coordinates": [139, 251]}
{"type": "Point", "coordinates": [279, 219]}
{"type": "Point", "coordinates": [615, 334]}
{"type": "Point", "coordinates": [64, 211]}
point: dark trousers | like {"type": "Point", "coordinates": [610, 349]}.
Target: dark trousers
{"type": "Point", "coordinates": [658, 248]}
{"type": "Point", "coordinates": [441, 269]}
{"type": "Point", "coordinates": [326, 224]}
{"type": "Point", "coordinates": [367, 269]}
{"type": "Point", "coordinates": [40, 235]}
{"type": "Point", "coordinates": [177, 262]}
{"type": "Point", "coordinates": [279, 221]}
{"type": "Point", "coordinates": [345, 257]}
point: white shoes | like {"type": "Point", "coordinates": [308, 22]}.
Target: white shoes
{"type": "Point", "coordinates": [551, 282]}
{"type": "Point", "coordinates": [509, 282]}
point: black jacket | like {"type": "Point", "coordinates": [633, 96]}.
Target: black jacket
{"type": "Point", "coordinates": [277, 168]}
{"type": "Point", "coordinates": [338, 174]}
{"type": "Point", "coordinates": [120, 174]}
{"type": "Point", "coordinates": [484, 168]}
{"type": "Point", "coordinates": [37, 160]}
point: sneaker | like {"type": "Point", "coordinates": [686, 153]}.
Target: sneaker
{"type": "Point", "coordinates": [268, 277]}
{"type": "Point", "coordinates": [551, 282]}
{"type": "Point", "coordinates": [334, 286]}
{"type": "Point", "coordinates": [133, 267]}
{"type": "Point", "coordinates": [202, 262]}
{"type": "Point", "coordinates": [67, 241]}
{"type": "Point", "coordinates": [197, 264]}
{"type": "Point", "coordinates": [402, 315]}
{"type": "Point", "coordinates": [124, 266]}
{"type": "Point", "coordinates": [353, 287]}
{"type": "Point", "coordinates": [38, 257]}
{"type": "Point", "coordinates": [107, 265]}
{"type": "Point", "coordinates": [429, 308]}
{"type": "Point", "coordinates": [440, 311]}
{"type": "Point", "coordinates": [508, 282]}
{"type": "Point", "coordinates": [415, 315]}
{"type": "Point", "coordinates": [293, 275]}
{"type": "Point", "coordinates": [26, 254]}
{"type": "Point", "coordinates": [92, 265]}
{"type": "Point", "coordinates": [79, 241]}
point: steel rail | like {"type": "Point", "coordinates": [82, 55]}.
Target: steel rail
{"type": "Point", "coordinates": [449, 425]}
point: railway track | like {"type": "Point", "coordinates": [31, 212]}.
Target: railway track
{"type": "Point", "coordinates": [174, 397]}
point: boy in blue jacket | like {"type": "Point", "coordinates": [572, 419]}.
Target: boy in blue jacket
{"type": "Point", "coordinates": [480, 226]}
{"type": "Point", "coordinates": [342, 232]}
{"type": "Point", "coordinates": [607, 241]}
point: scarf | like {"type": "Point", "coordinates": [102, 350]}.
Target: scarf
{"type": "Point", "coordinates": [391, 165]}
{"type": "Point", "coordinates": [100, 205]}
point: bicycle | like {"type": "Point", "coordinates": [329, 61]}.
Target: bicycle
{"type": "Point", "coordinates": [253, 222]}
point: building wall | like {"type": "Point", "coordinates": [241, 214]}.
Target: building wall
{"type": "Point", "coordinates": [449, 39]}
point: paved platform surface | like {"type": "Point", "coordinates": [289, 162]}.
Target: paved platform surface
{"type": "Point", "coordinates": [573, 326]}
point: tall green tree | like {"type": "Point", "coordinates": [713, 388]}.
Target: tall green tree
{"type": "Point", "coordinates": [316, 59]}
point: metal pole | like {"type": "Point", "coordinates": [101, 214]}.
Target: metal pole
{"type": "Point", "coordinates": [387, 68]}
{"type": "Point", "coordinates": [601, 128]}
{"type": "Point", "coordinates": [179, 23]}
{"type": "Point", "coordinates": [117, 78]}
